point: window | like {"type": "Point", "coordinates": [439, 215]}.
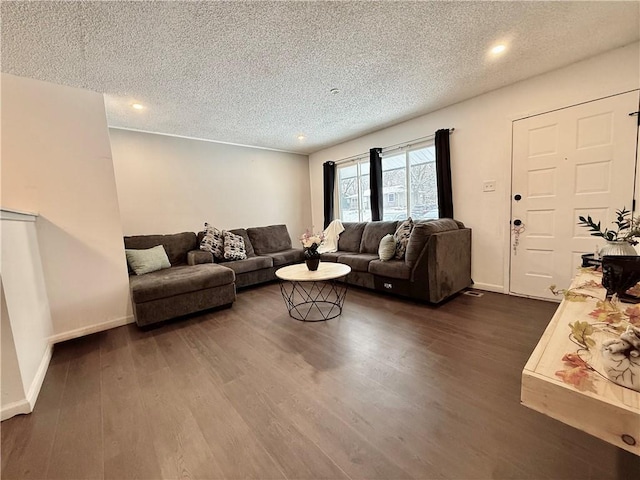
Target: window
{"type": "Point", "coordinates": [353, 188]}
{"type": "Point", "coordinates": [409, 185]}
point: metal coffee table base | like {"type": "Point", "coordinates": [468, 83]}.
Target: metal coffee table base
{"type": "Point", "coordinates": [314, 301]}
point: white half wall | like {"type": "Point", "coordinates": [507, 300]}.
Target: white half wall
{"type": "Point", "coordinates": [13, 398]}
{"type": "Point", "coordinates": [26, 318]}
{"type": "Point", "coordinates": [56, 161]}
{"type": "Point", "coordinates": [481, 147]}
{"type": "Point", "coordinates": [171, 184]}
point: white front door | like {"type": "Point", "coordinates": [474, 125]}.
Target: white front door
{"type": "Point", "coordinates": [571, 162]}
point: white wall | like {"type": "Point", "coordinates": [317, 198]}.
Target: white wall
{"type": "Point", "coordinates": [56, 161]}
{"type": "Point", "coordinates": [170, 184]}
{"type": "Point", "coordinates": [12, 394]}
{"type": "Point", "coordinates": [26, 317]}
{"type": "Point", "coordinates": [481, 147]}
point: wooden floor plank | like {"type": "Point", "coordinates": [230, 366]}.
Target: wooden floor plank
{"type": "Point", "coordinates": [128, 440]}
{"type": "Point", "coordinates": [297, 455]}
{"type": "Point", "coordinates": [390, 389]}
{"type": "Point", "coordinates": [78, 446]}
{"type": "Point", "coordinates": [27, 440]}
{"type": "Point", "coordinates": [236, 448]}
{"type": "Point", "coordinates": [179, 445]}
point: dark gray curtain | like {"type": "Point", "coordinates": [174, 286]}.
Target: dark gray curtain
{"type": "Point", "coordinates": [329, 182]}
{"type": "Point", "coordinates": [443, 174]}
{"type": "Point", "coordinates": [375, 183]}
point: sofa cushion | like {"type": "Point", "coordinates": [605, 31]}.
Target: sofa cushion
{"type": "Point", "coordinates": [233, 247]}
{"type": "Point", "coordinates": [147, 260]}
{"type": "Point", "coordinates": [359, 262]}
{"type": "Point", "coordinates": [332, 256]}
{"type": "Point", "coordinates": [250, 264]}
{"type": "Point", "coordinates": [212, 241]}
{"type": "Point", "coordinates": [285, 257]}
{"type": "Point", "coordinates": [387, 248]}
{"type": "Point", "coordinates": [401, 236]}
{"type": "Point", "coordinates": [178, 280]}
{"type": "Point", "coordinates": [176, 245]}
{"type": "Point", "coordinates": [373, 233]}
{"type": "Point", "coordinates": [392, 269]}
{"type": "Point", "coordinates": [421, 232]}
{"type": "Point", "coordinates": [195, 257]}
{"type": "Point", "coordinates": [247, 242]}
{"type": "Point", "coordinates": [274, 238]}
{"type": "Point", "coordinates": [350, 238]}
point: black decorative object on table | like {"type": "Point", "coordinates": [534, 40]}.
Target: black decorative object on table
{"type": "Point", "coordinates": [619, 274]}
{"type": "Point", "coordinates": [312, 263]}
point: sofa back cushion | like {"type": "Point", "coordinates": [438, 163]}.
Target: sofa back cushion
{"type": "Point", "coordinates": [422, 230]}
{"type": "Point", "coordinates": [350, 238]}
{"type": "Point", "coordinates": [176, 245]}
{"type": "Point", "coordinates": [271, 239]}
{"type": "Point", "coordinates": [373, 233]}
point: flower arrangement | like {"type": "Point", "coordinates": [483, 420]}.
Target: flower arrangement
{"type": "Point", "coordinates": [628, 227]}
{"type": "Point", "coordinates": [310, 242]}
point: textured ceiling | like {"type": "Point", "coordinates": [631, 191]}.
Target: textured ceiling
{"type": "Point", "coordinates": [259, 73]}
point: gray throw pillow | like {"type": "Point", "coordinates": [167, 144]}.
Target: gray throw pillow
{"type": "Point", "coordinates": [147, 261]}
{"type": "Point", "coordinates": [387, 248]}
{"type": "Point", "coordinates": [234, 247]}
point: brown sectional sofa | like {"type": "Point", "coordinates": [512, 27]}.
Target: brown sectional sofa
{"type": "Point", "coordinates": [437, 264]}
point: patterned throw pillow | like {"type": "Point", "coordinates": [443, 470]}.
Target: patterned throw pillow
{"type": "Point", "coordinates": [403, 232]}
{"type": "Point", "coordinates": [213, 241]}
{"type": "Point", "coordinates": [234, 247]}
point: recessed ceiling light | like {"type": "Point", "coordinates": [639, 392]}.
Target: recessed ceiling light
{"type": "Point", "coordinates": [301, 137]}
{"type": "Point", "coordinates": [498, 49]}
{"type": "Point", "coordinates": [334, 91]}
{"type": "Point", "coordinates": [137, 106]}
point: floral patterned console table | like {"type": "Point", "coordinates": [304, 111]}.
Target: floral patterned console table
{"type": "Point", "coordinates": [565, 376]}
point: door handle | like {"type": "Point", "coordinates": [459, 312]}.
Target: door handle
{"type": "Point", "coordinates": [517, 222]}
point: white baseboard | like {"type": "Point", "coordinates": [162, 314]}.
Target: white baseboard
{"type": "Point", "coordinates": [27, 404]}
{"type": "Point", "coordinates": [36, 385]}
{"type": "Point", "coordinates": [489, 287]}
{"type": "Point", "coordinates": [15, 408]}
{"type": "Point", "coordinates": [81, 332]}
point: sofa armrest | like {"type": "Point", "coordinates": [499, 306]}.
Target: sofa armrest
{"type": "Point", "coordinates": [444, 265]}
{"type": "Point", "coordinates": [196, 257]}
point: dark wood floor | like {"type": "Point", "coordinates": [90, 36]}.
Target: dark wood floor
{"type": "Point", "coordinates": [392, 389]}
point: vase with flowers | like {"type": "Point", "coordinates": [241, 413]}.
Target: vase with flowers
{"type": "Point", "coordinates": [310, 243]}
{"type": "Point", "coordinates": [621, 240]}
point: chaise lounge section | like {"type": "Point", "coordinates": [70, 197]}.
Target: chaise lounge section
{"type": "Point", "coordinates": [190, 285]}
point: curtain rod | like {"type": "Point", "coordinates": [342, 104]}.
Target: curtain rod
{"type": "Point", "coordinates": [412, 142]}
{"type": "Point", "coordinates": [391, 147]}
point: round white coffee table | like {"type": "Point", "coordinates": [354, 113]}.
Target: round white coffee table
{"type": "Point", "coordinates": [313, 296]}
